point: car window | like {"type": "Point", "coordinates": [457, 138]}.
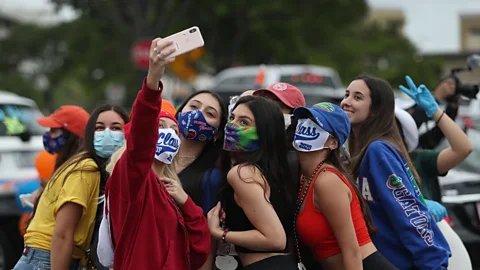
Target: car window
{"type": "Point", "coordinates": [471, 162]}
{"type": "Point", "coordinates": [244, 81]}
{"type": "Point", "coordinates": [18, 119]}
{"type": "Point", "coordinates": [474, 157]}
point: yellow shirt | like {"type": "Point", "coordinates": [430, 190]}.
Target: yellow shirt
{"type": "Point", "coordinates": [81, 187]}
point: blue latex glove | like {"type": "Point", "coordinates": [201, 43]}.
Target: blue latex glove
{"type": "Point", "coordinates": [421, 95]}
{"type": "Point", "coordinates": [438, 211]}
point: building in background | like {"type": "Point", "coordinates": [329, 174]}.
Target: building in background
{"type": "Point", "coordinates": [469, 44]}
{"type": "Point", "coordinates": [470, 33]}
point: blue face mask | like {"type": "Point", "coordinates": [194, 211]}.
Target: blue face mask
{"type": "Point", "coordinates": [107, 142]}
{"type": "Point", "coordinates": [193, 126]}
{"type": "Point", "coordinates": [53, 145]}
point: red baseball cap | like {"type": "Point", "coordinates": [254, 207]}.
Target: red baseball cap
{"type": "Point", "coordinates": [288, 94]}
{"type": "Point", "coordinates": [69, 117]}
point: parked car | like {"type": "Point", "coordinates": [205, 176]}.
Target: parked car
{"type": "Point", "coordinates": [461, 196]}
{"type": "Point", "coordinates": [317, 83]}
{"type": "Point", "coordinates": [20, 142]}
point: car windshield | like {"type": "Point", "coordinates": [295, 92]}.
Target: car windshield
{"type": "Point", "coordinates": [308, 80]}
{"type": "Point", "coordinates": [474, 157]}
{"type": "Point", "coordinates": [17, 119]}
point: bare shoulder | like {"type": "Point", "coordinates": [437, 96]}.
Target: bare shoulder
{"type": "Point", "coordinates": [245, 174]}
{"type": "Point", "coordinates": [328, 183]}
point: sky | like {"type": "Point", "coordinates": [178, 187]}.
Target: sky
{"type": "Point", "coordinates": [432, 25]}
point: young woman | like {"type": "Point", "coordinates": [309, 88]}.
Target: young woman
{"type": "Point", "coordinates": [66, 129]}
{"type": "Point", "coordinates": [150, 230]}
{"type": "Point", "coordinates": [202, 118]}
{"type": "Point", "coordinates": [331, 213]}
{"type": "Point", "coordinates": [258, 199]}
{"type": "Point", "coordinates": [200, 165]}
{"type": "Point", "coordinates": [407, 234]}
{"type": "Point", "coordinates": [167, 148]}
{"type": "Point", "coordinates": [62, 225]}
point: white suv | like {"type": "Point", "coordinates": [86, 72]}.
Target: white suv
{"type": "Point", "coordinates": [20, 137]}
{"type": "Point", "coordinates": [20, 142]}
{"type": "Point", "coordinates": [317, 83]}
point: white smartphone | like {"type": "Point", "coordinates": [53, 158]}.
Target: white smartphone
{"type": "Point", "coordinates": [186, 40]}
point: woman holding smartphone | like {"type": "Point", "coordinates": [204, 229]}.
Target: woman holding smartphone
{"type": "Point", "coordinates": [150, 230]}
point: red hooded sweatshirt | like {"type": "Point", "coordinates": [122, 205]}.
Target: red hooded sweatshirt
{"type": "Point", "coordinates": [149, 230]}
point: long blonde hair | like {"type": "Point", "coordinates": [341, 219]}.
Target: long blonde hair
{"type": "Point", "coordinates": [169, 171]}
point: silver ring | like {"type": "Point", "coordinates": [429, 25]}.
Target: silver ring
{"type": "Point", "coordinates": [159, 56]}
{"type": "Point", "coordinates": [155, 49]}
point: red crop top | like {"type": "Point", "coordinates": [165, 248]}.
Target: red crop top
{"type": "Point", "coordinates": [314, 231]}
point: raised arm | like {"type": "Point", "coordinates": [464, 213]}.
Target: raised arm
{"type": "Point", "coordinates": [136, 162]}
{"type": "Point", "coordinates": [460, 145]}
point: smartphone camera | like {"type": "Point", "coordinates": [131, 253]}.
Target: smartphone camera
{"type": "Point", "coordinates": [193, 30]}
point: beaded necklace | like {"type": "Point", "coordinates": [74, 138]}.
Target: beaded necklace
{"type": "Point", "coordinates": [302, 194]}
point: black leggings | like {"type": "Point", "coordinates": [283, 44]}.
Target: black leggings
{"type": "Point", "coordinates": [280, 262]}
{"type": "Point", "coordinates": [377, 261]}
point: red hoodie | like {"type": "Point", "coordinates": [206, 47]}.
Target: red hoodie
{"type": "Point", "coordinates": [149, 230]}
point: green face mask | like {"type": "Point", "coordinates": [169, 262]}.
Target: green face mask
{"type": "Point", "coordinates": [240, 138]}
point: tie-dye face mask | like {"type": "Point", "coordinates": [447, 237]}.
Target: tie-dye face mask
{"type": "Point", "coordinates": [240, 138]}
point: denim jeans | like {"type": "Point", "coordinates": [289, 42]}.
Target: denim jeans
{"type": "Point", "coordinates": [36, 259]}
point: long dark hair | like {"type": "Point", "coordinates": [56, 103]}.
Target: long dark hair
{"type": "Point", "coordinates": [335, 159]}
{"type": "Point", "coordinates": [381, 125]}
{"type": "Point", "coordinates": [210, 157]}
{"type": "Point", "coordinates": [69, 149]}
{"type": "Point", "coordinates": [271, 157]}
{"type": "Point", "coordinates": [86, 151]}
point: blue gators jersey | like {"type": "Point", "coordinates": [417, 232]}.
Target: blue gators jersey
{"type": "Point", "coordinates": [407, 233]}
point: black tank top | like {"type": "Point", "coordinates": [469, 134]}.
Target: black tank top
{"type": "Point", "coordinates": [236, 220]}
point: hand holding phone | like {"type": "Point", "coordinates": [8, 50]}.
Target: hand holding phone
{"type": "Point", "coordinates": [186, 41]}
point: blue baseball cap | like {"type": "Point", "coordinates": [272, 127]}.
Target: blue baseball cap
{"type": "Point", "coordinates": [328, 116]}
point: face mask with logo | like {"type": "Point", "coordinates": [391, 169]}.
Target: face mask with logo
{"type": "Point", "coordinates": [309, 136]}
{"type": "Point", "coordinates": [240, 138]}
{"type": "Point", "coordinates": [106, 142]}
{"type": "Point", "coordinates": [168, 144]}
{"type": "Point", "coordinates": [53, 145]}
{"type": "Point", "coordinates": [193, 126]}
{"type": "Point", "coordinates": [287, 118]}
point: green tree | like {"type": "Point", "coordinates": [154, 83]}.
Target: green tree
{"type": "Point", "coordinates": [81, 57]}
{"type": "Point", "coordinates": [382, 51]}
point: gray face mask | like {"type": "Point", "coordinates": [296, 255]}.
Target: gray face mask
{"type": "Point", "coordinates": [288, 120]}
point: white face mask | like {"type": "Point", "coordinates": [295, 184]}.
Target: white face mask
{"type": "Point", "coordinates": [309, 136]}
{"type": "Point", "coordinates": [288, 120]}
{"type": "Point", "coordinates": [168, 144]}
{"type": "Point", "coordinates": [230, 108]}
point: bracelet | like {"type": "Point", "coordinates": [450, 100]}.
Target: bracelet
{"type": "Point", "coordinates": [224, 235]}
{"type": "Point", "coordinates": [440, 118]}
